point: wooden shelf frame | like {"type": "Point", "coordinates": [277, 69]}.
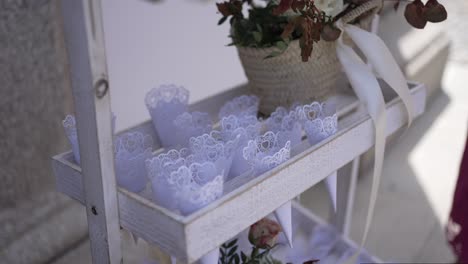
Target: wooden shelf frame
{"type": "Point", "coordinates": [245, 200]}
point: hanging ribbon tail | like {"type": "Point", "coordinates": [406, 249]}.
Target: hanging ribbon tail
{"type": "Point", "coordinates": [331, 186]}
{"type": "Point", "coordinates": [383, 63]}
{"type": "Point", "coordinates": [135, 238]}
{"type": "Point", "coordinates": [210, 258]}
{"type": "Point", "coordinates": [368, 91]}
{"type": "Point", "coordinates": [283, 215]}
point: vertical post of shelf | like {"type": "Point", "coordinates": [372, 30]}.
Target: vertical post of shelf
{"type": "Point", "coordinates": [84, 38]}
{"type": "Point", "coordinates": [346, 190]}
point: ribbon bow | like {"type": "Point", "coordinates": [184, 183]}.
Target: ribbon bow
{"type": "Point", "coordinates": [368, 90]}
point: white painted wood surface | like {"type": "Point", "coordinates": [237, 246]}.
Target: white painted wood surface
{"type": "Point", "coordinates": [191, 237]}
{"type": "Point", "coordinates": [84, 39]}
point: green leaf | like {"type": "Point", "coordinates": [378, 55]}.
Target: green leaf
{"type": "Point", "coordinates": [232, 259]}
{"type": "Point", "coordinates": [232, 243]}
{"type": "Point", "coordinates": [222, 20]}
{"type": "Point", "coordinates": [273, 54]}
{"type": "Point", "coordinates": [281, 45]}
{"type": "Point", "coordinates": [243, 257]}
{"type": "Point", "coordinates": [236, 259]}
{"type": "Point", "coordinates": [259, 28]}
{"type": "Point", "coordinates": [257, 36]}
{"type": "Point", "coordinates": [232, 251]}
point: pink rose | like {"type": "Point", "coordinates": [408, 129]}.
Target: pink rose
{"type": "Point", "coordinates": [264, 233]}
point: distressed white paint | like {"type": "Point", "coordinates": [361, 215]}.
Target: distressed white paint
{"type": "Point", "coordinates": [191, 237]}
{"type": "Point", "coordinates": [84, 38]}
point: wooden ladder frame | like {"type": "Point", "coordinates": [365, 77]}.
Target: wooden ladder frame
{"type": "Point", "coordinates": [84, 36]}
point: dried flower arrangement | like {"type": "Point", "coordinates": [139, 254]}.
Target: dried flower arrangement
{"type": "Point", "coordinates": [277, 23]}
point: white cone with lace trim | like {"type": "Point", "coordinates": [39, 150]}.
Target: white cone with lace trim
{"type": "Point", "coordinates": [284, 217]}
{"type": "Point", "coordinates": [331, 187]}
{"type": "Point", "coordinates": [135, 238]}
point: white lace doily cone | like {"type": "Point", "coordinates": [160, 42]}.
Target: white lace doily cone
{"type": "Point", "coordinates": [158, 169]}
{"type": "Point", "coordinates": [205, 187]}
{"type": "Point", "coordinates": [210, 258]}
{"type": "Point", "coordinates": [244, 128]}
{"type": "Point", "coordinates": [244, 105]}
{"type": "Point", "coordinates": [211, 147]}
{"type": "Point", "coordinates": [265, 153]}
{"type": "Point", "coordinates": [331, 187]}
{"type": "Point", "coordinates": [284, 216]}
{"type": "Point", "coordinates": [135, 238]}
{"type": "Point", "coordinates": [131, 151]}
{"type": "Point", "coordinates": [69, 125]}
{"type": "Point", "coordinates": [287, 124]}
{"type": "Point", "coordinates": [181, 184]}
{"type": "Point", "coordinates": [164, 104]}
{"type": "Point", "coordinates": [189, 125]}
{"type": "Point", "coordinates": [320, 122]}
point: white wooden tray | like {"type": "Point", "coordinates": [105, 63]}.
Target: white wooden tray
{"type": "Point", "coordinates": [245, 200]}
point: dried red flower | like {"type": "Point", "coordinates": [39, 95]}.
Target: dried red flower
{"type": "Point", "coordinates": [414, 14]}
{"type": "Point", "coordinates": [264, 233]}
{"type": "Point", "coordinates": [434, 11]}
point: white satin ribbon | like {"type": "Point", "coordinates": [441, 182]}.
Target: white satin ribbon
{"type": "Point", "coordinates": [368, 90]}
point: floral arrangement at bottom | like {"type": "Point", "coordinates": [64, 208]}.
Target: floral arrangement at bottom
{"type": "Point", "coordinates": [263, 236]}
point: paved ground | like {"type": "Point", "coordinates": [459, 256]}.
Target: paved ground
{"type": "Point", "coordinates": [419, 173]}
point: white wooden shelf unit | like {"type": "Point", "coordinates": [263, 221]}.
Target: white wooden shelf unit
{"type": "Point", "coordinates": [245, 200]}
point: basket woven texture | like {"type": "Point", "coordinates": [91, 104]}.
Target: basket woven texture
{"type": "Point", "coordinates": [285, 79]}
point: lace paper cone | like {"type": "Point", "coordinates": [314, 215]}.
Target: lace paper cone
{"type": "Point", "coordinates": [69, 125]}
{"type": "Point", "coordinates": [244, 128]}
{"type": "Point", "coordinates": [286, 124]}
{"type": "Point", "coordinates": [211, 147]}
{"type": "Point", "coordinates": [180, 184]}
{"type": "Point", "coordinates": [164, 104]}
{"type": "Point", "coordinates": [159, 169]}
{"type": "Point", "coordinates": [331, 186]}
{"type": "Point", "coordinates": [244, 105]}
{"type": "Point", "coordinates": [265, 152]}
{"type": "Point", "coordinates": [206, 186]}
{"type": "Point", "coordinates": [320, 122]}
{"type": "Point", "coordinates": [131, 151]}
{"type": "Point", "coordinates": [135, 238]}
{"type": "Point", "coordinates": [210, 258]}
{"type": "Point", "coordinates": [189, 125]}
{"type": "Point", "coordinates": [283, 215]}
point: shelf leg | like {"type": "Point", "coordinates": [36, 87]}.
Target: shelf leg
{"type": "Point", "coordinates": [84, 38]}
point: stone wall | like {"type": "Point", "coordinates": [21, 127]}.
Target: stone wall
{"type": "Point", "coordinates": [34, 97]}
{"type": "Point", "coordinates": [37, 224]}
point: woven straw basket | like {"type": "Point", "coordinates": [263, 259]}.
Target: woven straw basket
{"type": "Point", "coordinates": [285, 79]}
